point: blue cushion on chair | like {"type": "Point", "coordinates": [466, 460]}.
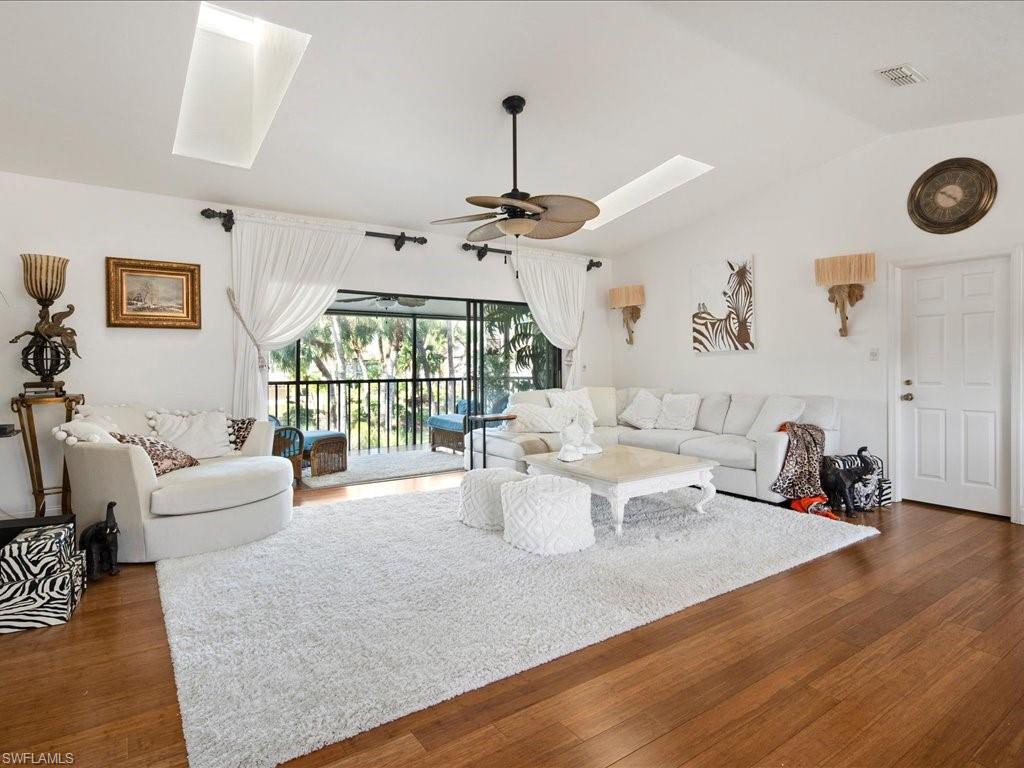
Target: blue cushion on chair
{"type": "Point", "coordinates": [462, 407]}
{"type": "Point", "coordinates": [317, 434]}
{"type": "Point", "coordinates": [450, 421]}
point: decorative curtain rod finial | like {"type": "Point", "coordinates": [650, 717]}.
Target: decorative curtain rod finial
{"type": "Point", "coordinates": [227, 218]}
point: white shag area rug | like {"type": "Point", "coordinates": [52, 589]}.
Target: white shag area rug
{"type": "Point", "coordinates": [386, 466]}
{"type": "Point", "coordinates": [361, 612]}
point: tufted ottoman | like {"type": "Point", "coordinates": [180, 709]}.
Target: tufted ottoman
{"type": "Point", "coordinates": [480, 499]}
{"type": "Point", "coordinates": [547, 515]}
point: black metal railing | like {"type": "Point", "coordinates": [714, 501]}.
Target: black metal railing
{"type": "Point", "coordinates": [374, 413]}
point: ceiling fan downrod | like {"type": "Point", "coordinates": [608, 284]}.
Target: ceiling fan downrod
{"type": "Point", "coordinates": [514, 105]}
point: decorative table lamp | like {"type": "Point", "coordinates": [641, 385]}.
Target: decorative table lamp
{"type": "Point", "coordinates": [48, 352]}
{"type": "Point", "coordinates": [845, 277]}
{"type": "Point", "coordinates": [628, 298]}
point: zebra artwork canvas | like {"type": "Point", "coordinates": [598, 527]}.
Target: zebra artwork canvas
{"type": "Point", "coordinates": [723, 295]}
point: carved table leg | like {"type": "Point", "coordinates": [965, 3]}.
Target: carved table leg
{"type": "Point", "coordinates": [709, 494]}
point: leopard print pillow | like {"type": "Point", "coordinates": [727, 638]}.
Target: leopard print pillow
{"type": "Point", "coordinates": [165, 457]}
{"type": "Point", "coordinates": [238, 431]}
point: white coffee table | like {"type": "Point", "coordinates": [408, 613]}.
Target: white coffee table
{"type": "Point", "coordinates": [622, 472]}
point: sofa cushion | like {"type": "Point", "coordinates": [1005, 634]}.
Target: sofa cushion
{"type": "Point", "coordinates": [728, 450]}
{"type": "Point", "coordinates": [776, 411]}
{"type": "Point", "coordinates": [743, 409]}
{"type": "Point", "coordinates": [129, 419]}
{"type": "Point", "coordinates": [711, 414]}
{"type": "Point", "coordinates": [678, 412]}
{"type": "Point", "coordinates": [668, 440]}
{"type": "Point", "coordinates": [626, 395]}
{"type": "Point", "coordinates": [603, 399]}
{"type": "Point", "coordinates": [820, 410]}
{"type": "Point", "coordinates": [529, 397]}
{"type": "Point", "coordinates": [453, 422]}
{"type": "Point", "coordinates": [643, 411]}
{"type": "Point", "coordinates": [164, 457]}
{"type": "Point", "coordinates": [203, 434]}
{"type": "Point", "coordinates": [513, 446]}
{"type": "Point", "coordinates": [576, 399]}
{"type": "Point", "coordinates": [220, 484]}
{"type": "Point", "coordinates": [538, 418]}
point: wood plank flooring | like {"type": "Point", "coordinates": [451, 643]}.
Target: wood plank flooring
{"type": "Point", "coordinates": [904, 650]}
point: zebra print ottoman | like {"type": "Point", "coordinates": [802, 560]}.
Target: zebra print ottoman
{"type": "Point", "coordinates": [42, 578]}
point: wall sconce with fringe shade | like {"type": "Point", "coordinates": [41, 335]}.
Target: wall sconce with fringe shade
{"type": "Point", "coordinates": [628, 298]}
{"type": "Point", "coordinates": [845, 277]}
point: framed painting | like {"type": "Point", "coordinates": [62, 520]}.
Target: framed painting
{"type": "Point", "coordinates": [152, 294]}
{"type": "Point", "coordinates": [723, 305]}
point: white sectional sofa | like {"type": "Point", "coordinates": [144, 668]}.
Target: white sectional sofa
{"type": "Point", "coordinates": [229, 500]}
{"type": "Point", "coordinates": [746, 467]}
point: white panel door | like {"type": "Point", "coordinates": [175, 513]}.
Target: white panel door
{"type": "Point", "coordinates": [955, 398]}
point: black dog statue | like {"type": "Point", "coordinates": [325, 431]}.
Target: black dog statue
{"type": "Point", "coordinates": [837, 482]}
{"type": "Point", "coordinates": [99, 541]}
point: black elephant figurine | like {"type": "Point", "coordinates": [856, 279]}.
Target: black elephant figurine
{"type": "Point", "coordinates": [838, 482]}
{"type": "Point", "coordinates": [99, 541]}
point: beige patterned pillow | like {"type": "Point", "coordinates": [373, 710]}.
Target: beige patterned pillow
{"type": "Point", "coordinates": [166, 458]}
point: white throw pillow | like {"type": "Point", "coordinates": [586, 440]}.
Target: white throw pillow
{"type": "Point", "coordinates": [529, 397]}
{"type": "Point", "coordinates": [603, 399]}
{"type": "Point", "coordinates": [538, 418]}
{"type": "Point", "coordinates": [776, 411]}
{"type": "Point", "coordinates": [577, 399]}
{"type": "Point", "coordinates": [678, 412]}
{"type": "Point", "coordinates": [643, 412]}
{"type": "Point", "coordinates": [83, 430]}
{"type": "Point", "coordinates": [203, 435]}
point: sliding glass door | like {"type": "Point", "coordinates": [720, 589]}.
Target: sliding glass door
{"type": "Point", "coordinates": [378, 366]}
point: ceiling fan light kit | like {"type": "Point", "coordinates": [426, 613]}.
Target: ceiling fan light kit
{"type": "Point", "coordinates": [517, 213]}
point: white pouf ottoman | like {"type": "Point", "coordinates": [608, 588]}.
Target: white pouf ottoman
{"type": "Point", "coordinates": [480, 499]}
{"type": "Point", "coordinates": [547, 515]}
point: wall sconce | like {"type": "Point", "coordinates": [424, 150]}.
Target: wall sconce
{"type": "Point", "coordinates": [845, 277]}
{"type": "Point", "coordinates": [628, 298]}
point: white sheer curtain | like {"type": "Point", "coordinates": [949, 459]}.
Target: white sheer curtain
{"type": "Point", "coordinates": [555, 287]}
{"type": "Point", "coordinates": [285, 272]}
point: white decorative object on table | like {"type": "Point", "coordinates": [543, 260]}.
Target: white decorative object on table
{"type": "Point", "coordinates": [588, 446]}
{"type": "Point", "coordinates": [547, 515]}
{"type": "Point", "coordinates": [572, 436]}
{"type": "Point", "coordinates": [480, 497]}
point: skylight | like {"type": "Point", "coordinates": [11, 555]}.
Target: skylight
{"type": "Point", "coordinates": [225, 22]}
{"type": "Point", "coordinates": [671, 174]}
{"type": "Point", "coordinates": [238, 73]}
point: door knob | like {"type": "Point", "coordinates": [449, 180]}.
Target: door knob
{"type": "Point", "coordinates": [909, 396]}
{"type": "Point", "coordinates": [908, 382]}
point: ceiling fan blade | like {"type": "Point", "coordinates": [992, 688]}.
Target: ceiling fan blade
{"type": "Point", "coordinates": [411, 301]}
{"type": "Point", "coordinates": [549, 230]}
{"type": "Point", "coordinates": [470, 217]}
{"type": "Point", "coordinates": [488, 231]}
{"type": "Point", "coordinates": [497, 202]}
{"type": "Point", "coordinates": [566, 208]}
{"type": "Point", "coordinates": [361, 298]}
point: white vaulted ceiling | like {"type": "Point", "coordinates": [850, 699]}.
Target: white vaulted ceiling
{"type": "Point", "coordinates": [394, 114]}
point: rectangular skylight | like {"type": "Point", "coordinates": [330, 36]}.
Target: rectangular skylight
{"type": "Point", "coordinates": [671, 174]}
{"type": "Point", "coordinates": [225, 22]}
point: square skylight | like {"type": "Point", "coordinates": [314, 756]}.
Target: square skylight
{"type": "Point", "coordinates": [671, 174]}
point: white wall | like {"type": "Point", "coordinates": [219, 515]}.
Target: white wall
{"type": "Point", "coordinates": [855, 203]}
{"type": "Point", "coordinates": [179, 368]}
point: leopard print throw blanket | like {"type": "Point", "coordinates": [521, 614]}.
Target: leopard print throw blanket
{"type": "Point", "coordinates": [801, 469]}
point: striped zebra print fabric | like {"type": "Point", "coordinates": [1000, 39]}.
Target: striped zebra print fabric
{"type": "Point", "coordinates": [876, 491]}
{"type": "Point", "coordinates": [42, 578]}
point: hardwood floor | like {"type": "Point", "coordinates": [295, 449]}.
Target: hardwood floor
{"type": "Point", "coordinates": [904, 650]}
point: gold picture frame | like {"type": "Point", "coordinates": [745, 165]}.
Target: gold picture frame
{"type": "Point", "coordinates": [152, 294]}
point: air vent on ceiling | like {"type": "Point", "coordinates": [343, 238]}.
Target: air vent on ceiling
{"type": "Point", "coordinates": [904, 74]}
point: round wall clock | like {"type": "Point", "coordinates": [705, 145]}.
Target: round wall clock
{"type": "Point", "coordinates": [952, 195]}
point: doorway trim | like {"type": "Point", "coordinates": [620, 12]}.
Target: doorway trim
{"type": "Point", "coordinates": [1016, 334]}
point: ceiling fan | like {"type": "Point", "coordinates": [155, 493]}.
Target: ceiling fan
{"type": "Point", "coordinates": [541, 217]}
{"type": "Point", "coordinates": [388, 300]}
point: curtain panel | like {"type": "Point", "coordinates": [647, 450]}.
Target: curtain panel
{"type": "Point", "coordinates": [285, 272]}
{"type": "Point", "coordinates": [555, 287]}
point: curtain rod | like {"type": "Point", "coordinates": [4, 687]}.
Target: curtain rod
{"type": "Point", "coordinates": [227, 220]}
{"type": "Point", "coordinates": [483, 250]}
